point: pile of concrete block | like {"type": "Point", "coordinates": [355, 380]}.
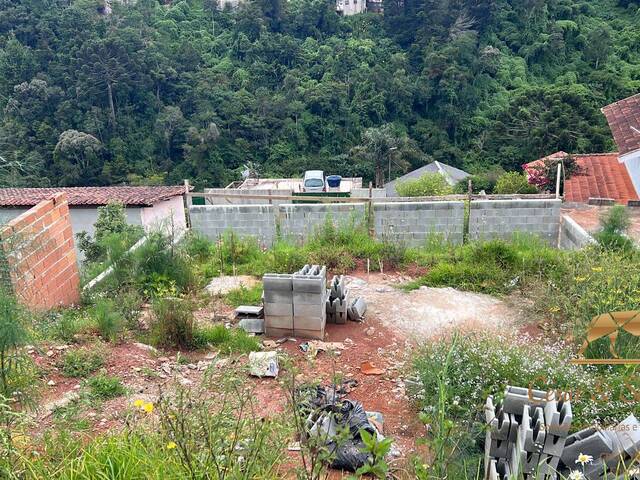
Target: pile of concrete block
{"type": "Point", "coordinates": [526, 435]}
{"type": "Point", "coordinates": [614, 450]}
{"type": "Point", "coordinates": [337, 301]}
{"type": "Point", "coordinates": [528, 438]}
{"type": "Point", "coordinates": [295, 304]}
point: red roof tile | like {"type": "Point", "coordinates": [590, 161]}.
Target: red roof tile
{"type": "Point", "coordinates": [624, 121]}
{"type": "Point", "coordinates": [139, 196]}
{"type": "Point", "coordinates": [541, 161]}
{"type": "Point", "coordinates": [603, 176]}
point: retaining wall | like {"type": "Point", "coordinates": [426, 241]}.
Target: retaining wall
{"type": "Point", "coordinates": [413, 222]}
{"type": "Point", "coordinates": [572, 235]}
{"type": "Point", "coordinates": [38, 255]}
{"type": "Point", "coordinates": [490, 219]}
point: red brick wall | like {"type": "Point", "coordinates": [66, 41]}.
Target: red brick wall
{"type": "Point", "coordinates": [40, 256]}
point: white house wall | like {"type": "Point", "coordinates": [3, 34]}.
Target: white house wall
{"type": "Point", "coordinates": [632, 162]}
{"type": "Point", "coordinates": [164, 216]}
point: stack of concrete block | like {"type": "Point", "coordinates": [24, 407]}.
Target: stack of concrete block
{"type": "Point", "coordinates": [613, 450]}
{"type": "Point", "coordinates": [278, 304]}
{"type": "Point", "coordinates": [309, 302]}
{"type": "Point", "coordinates": [337, 301]}
{"type": "Point", "coordinates": [526, 434]}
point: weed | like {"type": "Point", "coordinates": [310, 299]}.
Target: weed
{"type": "Point", "coordinates": [108, 320]}
{"type": "Point", "coordinates": [80, 363]}
{"type": "Point", "coordinates": [104, 387]}
{"type": "Point", "coordinates": [245, 296]}
{"type": "Point", "coordinates": [226, 339]}
{"type": "Point", "coordinates": [172, 323]}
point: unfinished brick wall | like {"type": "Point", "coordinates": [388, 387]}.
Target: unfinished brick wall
{"type": "Point", "coordinates": [38, 255]}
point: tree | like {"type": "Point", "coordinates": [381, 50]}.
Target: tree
{"type": "Point", "coordinates": [77, 157]}
{"type": "Point", "coordinates": [385, 151]}
{"type": "Point", "coordinates": [513, 182]}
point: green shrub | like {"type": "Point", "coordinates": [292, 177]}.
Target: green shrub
{"type": "Point", "coordinates": [228, 340]}
{"type": "Point", "coordinates": [245, 296]}
{"type": "Point", "coordinates": [428, 184]}
{"type": "Point", "coordinates": [197, 246]}
{"type": "Point", "coordinates": [172, 322]}
{"type": "Point", "coordinates": [613, 228]}
{"type": "Point", "coordinates": [514, 182]}
{"type": "Point", "coordinates": [80, 363]}
{"type": "Point", "coordinates": [104, 387]}
{"type": "Point", "coordinates": [485, 363]}
{"type": "Point", "coordinates": [108, 319]}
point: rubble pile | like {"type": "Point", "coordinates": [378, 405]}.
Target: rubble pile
{"type": "Point", "coordinates": [528, 437]}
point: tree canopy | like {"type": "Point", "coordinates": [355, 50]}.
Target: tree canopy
{"type": "Point", "coordinates": [154, 92]}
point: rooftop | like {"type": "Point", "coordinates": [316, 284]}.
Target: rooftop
{"type": "Point", "coordinates": [603, 176]}
{"type": "Point", "coordinates": [453, 175]}
{"type": "Point", "coordinates": [131, 196]}
{"type": "Point", "coordinates": [624, 121]}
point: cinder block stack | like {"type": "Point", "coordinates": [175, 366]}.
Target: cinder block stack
{"type": "Point", "coordinates": [278, 304]}
{"type": "Point", "coordinates": [526, 435]}
{"type": "Point", "coordinates": [337, 301]}
{"type": "Point", "coordinates": [613, 450]}
{"type": "Point", "coordinates": [309, 302]}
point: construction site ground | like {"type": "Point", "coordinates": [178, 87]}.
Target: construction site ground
{"type": "Point", "coordinates": [396, 323]}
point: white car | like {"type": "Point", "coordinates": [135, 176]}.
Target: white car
{"type": "Point", "coordinates": [313, 181]}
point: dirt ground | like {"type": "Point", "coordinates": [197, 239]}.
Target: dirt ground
{"type": "Point", "coordinates": [396, 322]}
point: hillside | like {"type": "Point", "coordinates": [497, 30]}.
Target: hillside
{"type": "Point", "coordinates": [156, 93]}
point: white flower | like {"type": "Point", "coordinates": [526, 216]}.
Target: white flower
{"type": "Point", "coordinates": [576, 475]}
{"type": "Point", "coordinates": [582, 459]}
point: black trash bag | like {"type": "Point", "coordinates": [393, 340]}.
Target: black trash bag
{"type": "Point", "coordinates": [350, 455]}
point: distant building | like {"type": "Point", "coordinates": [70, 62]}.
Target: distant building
{"type": "Point", "coordinates": [150, 207]}
{"type": "Point", "coordinates": [451, 174]}
{"type": "Point", "coordinates": [351, 7]}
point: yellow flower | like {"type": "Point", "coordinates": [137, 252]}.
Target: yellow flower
{"type": "Point", "coordinates": [171, 445]}
{"type": "Point", "coordinates": [580, 279]}
{"type": "Point", "coordinates": [138, 403]}
{"type": "Point", "coordinates": [554, 309]}
{"type": "Point", "coordinates": [148, 407]}
{"type": "Point", "coordinates": [596, 269]}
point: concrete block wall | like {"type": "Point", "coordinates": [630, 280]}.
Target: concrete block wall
{"type": "Point", "coordinates": [572, 235]}
{"type": "Point", "coordinates": [213, 221]}
{"type": "Point", "coordinates": [413, 222]}
{"type": "Point", "coordinates": [489, 219]}
{"type": "Point", "coordinates": [39, 257]}
{"type": "Point", "coordinates": [300, 221]}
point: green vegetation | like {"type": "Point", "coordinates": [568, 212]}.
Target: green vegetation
{"type": "Point", "coordinates": [225, 339]}
{"type": "Point", "coordinates": [81, 362]}
{"type": "Point", "coordinates": [457, 375]}
{"type": "Point", "coordinates": [245, 296]}
{"type": "Point", "coordinates": [513, 182]}
{"type": "Point", "coordinates": [172, 324]}
{"type": "Point", "coordinates": [104, 387]}
{"type": "Point", "coordinates": [427, 185]}
{"type": "Point", "coordinates": [613, 228]}
{"type": "Point", "coordinates": [155, 92]}
{"type": "Point", "coordinates": [107, 318]}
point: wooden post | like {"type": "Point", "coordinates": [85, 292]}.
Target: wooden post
{"type": "Point", "coordinates": [187, 202]}
{"type": "Point", "coordinates": [558, 180]}
{"type": "Point", "coordinates": [370, 213]}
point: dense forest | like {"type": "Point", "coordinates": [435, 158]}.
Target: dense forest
{"type": "Point", "coordinates": [153, 92]}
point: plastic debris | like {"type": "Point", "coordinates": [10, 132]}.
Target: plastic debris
{"type": "Point", "coordinates": [369, 368]}
{"type": "Point", "coordinates": [263, 364]}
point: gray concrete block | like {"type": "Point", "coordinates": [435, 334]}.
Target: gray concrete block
{"type": "Point", "coordinates": [309, 323]}
{"type": "Point", "coordinates": [278, 296]}
{"type": "Point", "coordinates": [310, 334]}
{"type": "Point", "coordinates": [558, 417]}
{"type": "Point", "coordinates": [276, 332]}
{"type": "Point", "coordinates": [278, 309]}
{"type": "Point", "coordinates": [278, 321]}
{"type": "Point", "coordinates": [305, 284]}
{"type": "Point", "coordinates": [313, 311]}
{"type": "Point", "coordinates": [276, 281]}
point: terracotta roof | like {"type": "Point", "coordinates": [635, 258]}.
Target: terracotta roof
{"type": "Point", "coordinates": [624, 121]}
{"type": "Point", "coordinates": [603, 176]}
{"type": "Point", "coordinates": [139, 196]}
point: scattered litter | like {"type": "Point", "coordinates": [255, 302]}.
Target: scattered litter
{"type": "Point", "coordinates": [263, 364]}
{"type": "Point", "coordinates": [51, 383]}
{"type": "Point", "coordinates": [294, 447]}
{"type": "Point", "coordinates": [269, 344]}
{"type": "Point", "coordinates": [252, 325]}
{"type": "Point", "coordinates": [357, 309]}
{"type": "Point", "coordinates": [369, 368]}
{"type": "Point", "coordinates": [347, 386]}
{"type": "Point", "coordinates": [144, 346]}
{"type": "Point", "coordinates": [312, 347]}
{"type": "Point", "coordinates": [327, 414]}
